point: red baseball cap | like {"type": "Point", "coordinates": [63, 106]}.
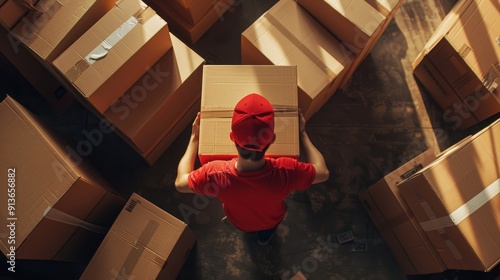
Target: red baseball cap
{"type": "Point", "coordinates": [252, 126]}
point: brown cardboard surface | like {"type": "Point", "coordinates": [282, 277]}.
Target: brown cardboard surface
{"type": "Point", "coordinates": [35, 73]}
{"type": "Point", "coordinates": [462, 59]}
{"type": "Point", "coordinates": [192, 11]}
{"type": "Point", "coordinates": [469, 240]}
{"type": "Point", "coordinates": [224, 86]}
{"type": "Point", "coordinates": [144, 242]}
{"type": "Point", "coordinates": [397, 250]}
{"type": "Point", "coordinates": [173, 134]}
{"type": "Point", "coordinates": [104, 80]}
{"type": "Point", "coordinates": [28, 4]}
{"type": "Point", "coordinates": [474, 35]}
{"type": "Point", "coordinates": [11, 13]}
{"type": "Point", "coordinates": [353, 22]}
{"type": "Point", "coordinates": [189, 32]}
{"type": "Point", "coordinates": [388, 9]}
{"type": "Point", "coordinates": [62, 194]}
{"type": "Point", "coordinates": [156, 102]}
{"type": "Point", "coordinates": [287, 35]}
{"type": "Point", "coordinates": [49, 33]}
{"type": "Point", "coordinates": [390, 213]}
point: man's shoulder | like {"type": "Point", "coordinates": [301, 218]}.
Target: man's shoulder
{"type": "Point", "coordinates": [284, 162]}
{"type": "Point", "coordinates": [216, 166]}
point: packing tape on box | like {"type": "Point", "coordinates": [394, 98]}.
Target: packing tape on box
{"type": "Point", "coordinates": [139, 247]}
{"type": "Point", "coordinates": [218, 112]}
{"type": "Point", "coordinates": [61, 217]}
{"type": "Point", "coordinates": [452, 248]}
{"type": "Point", "coordinates": [464, 211]}
{"type": "Point", "coordinates": [289, 35]}
{"type": "Point", "coordinates": [101, 50]}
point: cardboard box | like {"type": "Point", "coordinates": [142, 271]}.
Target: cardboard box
{"type": "Point", "coordinates": [184, 123]}
{"type": "Point", "coordinates": [388, 8]}
{"type": "Point", "coordinates": [224, 86]}
{"type": "Point", "coordinates": [35, 73]}
{"type": "Point", "coordinates": [68, 209]}
{"type": "Point", "coordinates": [353, 22]}
{"type": "Point", "coordinates": [190, 10]}
{"type": "Point", "coordinates": [151, 107]}
{"type": "Point", "coordinates": [287, 35]}
{"type": "Point", "coordinates": [55, 26]}
{"type": "Point", "coordinates": [131, 37]}
{"type": "Point", "coordinates": [455, 199]}
{"type": "Point", "coordinates": [460, 64]}
{"type": "Point", "coordinates": [189, 32]}
{"type": "Point", "coordinates": [11, 12]}
{"type": "Point", "coordinates": [145, 242]}
{"type": "Point", "coordinates": [397, 224]}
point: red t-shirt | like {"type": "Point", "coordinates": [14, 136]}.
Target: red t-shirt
{"type": "Point", "coordinates": [252, 201]}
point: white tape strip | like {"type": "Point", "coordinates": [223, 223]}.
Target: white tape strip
{"type": "Point", "coordinates": [61, 217]}
{"type": "Point", "coordinates": [464, 211]}
{"type": "Point", "coordinates": [102, 49]}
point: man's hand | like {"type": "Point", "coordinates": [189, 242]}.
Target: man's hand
{"type": "Point", "coordinates": [195, 130]}
{"type": "Point", "coordinates": [302, 122]}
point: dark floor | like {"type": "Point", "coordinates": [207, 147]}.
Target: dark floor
{"type": "Point", "coordinates": [379, 121]}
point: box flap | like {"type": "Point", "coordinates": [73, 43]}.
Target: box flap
{"type": "Point", "coordinates": [138, 244]}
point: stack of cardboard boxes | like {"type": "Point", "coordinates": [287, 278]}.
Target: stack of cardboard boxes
{"type": "Point", "coordinates": [327, 40]}
{"type": "Point", "coordinates": [60, 208]}
{"type": "Point", "coordinates": [161, 104]}
{"type": "Point", "coordinates": [460, 64]}
{"type": "Point", "coordinates": [190, 19]}
{"type": "Point", "coordinates": [118, 59]}
{"type": "Point", "coordinates": [121, 62]}
{"type": "Point", "coordinates": [442, 213]}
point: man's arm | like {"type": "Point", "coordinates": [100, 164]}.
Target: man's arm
{"type": "Point", "coordinates": [312, 154]}
{"type": "Point", "coordinates": [186, 164]}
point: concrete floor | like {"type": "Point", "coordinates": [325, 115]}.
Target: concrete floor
{"type": "Point", "coordinates": [381, 119]}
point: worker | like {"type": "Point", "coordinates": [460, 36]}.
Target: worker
{"type": "Point", "coordinates": [252, 187]}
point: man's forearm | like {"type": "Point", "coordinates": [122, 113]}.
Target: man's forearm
{"type": "Point", "coordinates": [313, 155]}
{"type": "Point", "coordinates": [186, 165]}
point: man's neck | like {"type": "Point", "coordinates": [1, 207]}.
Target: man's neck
{"type": "Point", "coordinates": [246, 165]}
